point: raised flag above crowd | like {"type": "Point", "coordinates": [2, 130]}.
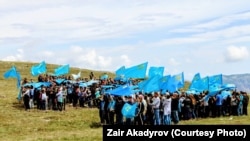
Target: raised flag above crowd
{"type": "Point", "coordinates": [39, 69]}
{"type": "Point", "coordinates": [155, 71]}
{"type": "Point", "coordinates": [155, 80]}
{"type": "Point", "coordinates": [13, 73]}
{"type": "Point", "coordinates": [61, 70]}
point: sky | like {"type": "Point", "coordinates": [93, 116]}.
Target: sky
{"type": "Point", "coordinates": [192, 36]}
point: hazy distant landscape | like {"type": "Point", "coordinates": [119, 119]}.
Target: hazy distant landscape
{"type": "Point", "coordinates": [242, 81]}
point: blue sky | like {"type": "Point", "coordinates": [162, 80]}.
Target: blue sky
{"type": "Point", "coordinates": [209, 37]}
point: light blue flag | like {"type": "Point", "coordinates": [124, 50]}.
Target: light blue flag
{"type": "Point", "coordinates": [83, 84]}
{"type": "Point", "coordinates": [176, 82]}
{"type": "Point", "coordinates": [91, 82]}
{"type": "Point", "coordinates": [213, 90]}
{"type": "Point", "coordinates": [164, 83]}
{"type": "Point", "coordinates": [38, 69]}
{"type": "Point", "coordinates": [37, 85]}
{"type": "Point", "coordinates": [141, 84]}
{"type": "Point", "coordinates": [151, 85]}
{"type": "Point", "coordinates": [19, 95]}
{"type": "Point", "coordinates": [138, 71]}
{"type": "Point", "coordinates": [46, 84]}
{"type": "Point", "coordinates": [128, 110]}
{"type": "Point", "coordinates": [202, 84]}
{"type": "Point", "coordinates": [59, 81]}
{"type": "Point", "coordinates": [215, 80]}
{"type": "Point", "coordinates": [120, 71]}
{"type": "Point", "coordinates": [13, 73]}
{"type": "Point", "coordinates": [195, 82]}
{"type": "Point", "coordinates": [40, 84]}
{"type": "Point", "coordinates": [62, 70]}
{"type": "Point", "coordinates": [226, 93]}
{"type": "Point", "coordinates": [124, 90]}
{"type": "Point", "coordinates": [228, 86]}
{"type": "Point", "coordinates": [155, 71]}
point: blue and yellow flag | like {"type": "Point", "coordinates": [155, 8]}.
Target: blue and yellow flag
{"type": "Point", "coordinates": [62, 70]}
{"type": "Point", "coordinates": [124, 90]}
{"type": "Point", "coordinates": [120, 71]}
{"type": "Point", "coordinates": [128, 110]}
{"type": "Point", "coordinates": [151, 85]}
{"type": "Point", "coordinates": [38, 69]}
{"type": "Point", "coordinates": [195, 82]}
{"type": "Point", "coordinates": [138, 71]}
{"type": "Point", "coordinates": [215, 80]}
{"type": "Point", "coordinates": [13, 73]}
{"type": "Point", "coordinates": [164, 83]}
{"type": "Point", "coordinates": [155, 71]}
{"type": "Point", "coordinates": [176, 82]}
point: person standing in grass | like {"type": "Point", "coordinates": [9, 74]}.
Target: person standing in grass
{"type": "Point", "coordinates": [111, 109]}
{"type": "Point", "coordinates": [26, 98]}
{"type": "Point", "coordinates": [156, 108]}
{"type": "Point", "coordinates": [167, 110]}
{"type": "Point", "coordinates": [140, 110]}
{"type": "Point", "coordinates": [245, 103]}
{"type": "Point", "coordinates": [118, 110]}
{"type": "Point", "coordinates": [100, 107]}
{"type": "Point", "coordinates": [44, 99]}
{"type": "Point", "coordinates": [174, 108]}
{"type": "Point", "coordinates": [59, 96]}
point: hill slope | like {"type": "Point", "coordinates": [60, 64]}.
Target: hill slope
{"type": "Point", "coordinates": [25, 67]}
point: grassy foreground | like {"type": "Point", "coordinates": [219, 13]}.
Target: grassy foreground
{"type": "Point", "coordinates": [71, 125]}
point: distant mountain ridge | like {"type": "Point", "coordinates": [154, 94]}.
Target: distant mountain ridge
{"type": "Point", "coordinates": [242, 81]}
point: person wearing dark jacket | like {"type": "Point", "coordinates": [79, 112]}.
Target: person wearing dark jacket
{"type": "Point", "coordinates": [118, 110]}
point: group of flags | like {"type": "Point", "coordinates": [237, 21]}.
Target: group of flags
{"type": "Point", "coordinates": [154, 81]}
{"type": "Point", "coordinates": [206, 83]}
{"type": "Point", "coordinates": [36, 70]}
{"type": "Point", "coordinates": [42, 68]}
{"type": "Point", "coordinates": [213, 84]}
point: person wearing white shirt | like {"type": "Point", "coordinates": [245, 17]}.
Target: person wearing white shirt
{"type": "Point", "coordinates": [59, 96]}
{"type": "Point", "coordinates": [167, 110]}
{"type": "Point", "coordinates": [44, 98]}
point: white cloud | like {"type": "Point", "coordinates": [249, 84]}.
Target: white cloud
{"type": "Point", "coordinates": [47, 54]}
{"type": "Point", "coordinates": [86, 58]}
{"type": "Point", "coordinates": [13, 32]}
{"type": "Point", "coordinates": [107, 34]}
{"type": "Point", "coordinates": [62, 21]}
{"type": "Point", "coordinates": [125, 60]}
{"type": "Point", "coordinates": [223, 21]}
{"type": "Point", "coordinates": [173, 62]}
{"type": "Point", "coordinates": [234, 53]}
{"type": "Point", "coordinates": [104, 62]}
{"type": "Point", "coordinates": [17, 57]}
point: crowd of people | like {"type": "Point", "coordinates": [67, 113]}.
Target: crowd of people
{"type": "Point", "coordinates": [154, 108]}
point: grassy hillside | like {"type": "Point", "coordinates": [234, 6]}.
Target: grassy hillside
{"type": "Point", "coordinates": [25, 67]}
{"type": "Point", "coordinates": [80, 124]}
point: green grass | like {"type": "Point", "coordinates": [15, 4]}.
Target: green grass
{"type": "Point", "coordinates": [80, 124]}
